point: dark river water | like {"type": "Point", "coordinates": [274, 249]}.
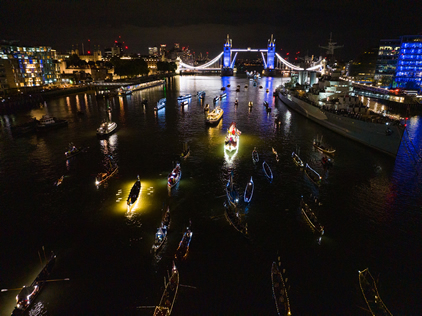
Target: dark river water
{"type": "Point", "coordinates": [371, 209]}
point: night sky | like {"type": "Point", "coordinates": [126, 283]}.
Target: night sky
{"type": "Point", "coordinates": [203, 25]}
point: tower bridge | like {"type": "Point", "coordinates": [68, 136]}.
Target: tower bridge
{"type": "Point", "coordinates": [226, 60]}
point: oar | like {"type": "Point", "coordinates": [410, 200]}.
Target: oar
{"type": "Point", "coordinates": [145, 306]}
{"type": "Point", "coordinates": [20, 288]}
{"type": "Point", "coordinates": [190, 286]}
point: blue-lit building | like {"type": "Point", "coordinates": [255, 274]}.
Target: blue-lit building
{"type": "Point", "coordinates": [409, 64]}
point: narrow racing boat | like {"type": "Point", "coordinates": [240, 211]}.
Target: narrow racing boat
{"type": "Point", "coordinates": [311, 218]}
{"type": "Point", "coordinates": [313, 175]}
{"type": "Point", "coordinates": [231, 192]}
{"type": "Point", "coordinates": [267, 171]}
{"type": "Point", "coordinates": [247, 197]}
{"type": "Point", "coordinates": [279, 292]}
{"type": "Point", "coordinates": [174, 176]}
{"type": "Point", "coordinates": [233, 217]}
{"type": "Point", "coordinates": [255, 155]}
{"type": "Point", "coordinates": [183, 249]}
{"type": "Point", "coordinates": [134, 193]}
{"type": "Point", "coordinates": [162, 231]}
{"type": "Point", "coordinates": [165, 307]}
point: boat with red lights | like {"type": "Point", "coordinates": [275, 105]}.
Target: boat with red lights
{"type": "Point", "coordinates": [231, 142]}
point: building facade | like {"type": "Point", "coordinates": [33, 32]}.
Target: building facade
{"type": "Point", "coordinates": [409, 64]}
{"type": "Point", "coordinates": [24, 66]}
{"type": "Point", "coordinates": [388, 54]}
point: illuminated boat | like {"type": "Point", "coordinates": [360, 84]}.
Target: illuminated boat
{"type": "Point", "coordinates": [184, 102]}
{"type": "Point", "coordinates": [216, 99]}
{"type": "Point", "coordinates": [223, 88]}
{"type": "Point", "coordinates": [250, 104]}
{"type": "Point", "coordinates": [370, 293]}
{"type": "Point", "coordinates": [255, 155]}
{"type": "Point", "coordinates": [186, 151]}
{"type": "Point", "coordinates": [247, 197]}
{"type": "Point", "coordinates": [184, 97]}
{"type": "Point", "coordinates": [267, 170]}
{"type": "Point", "coordinates": [277, 158]}
{"type": "Point", "coordinates": [318, 145]}
{"type": "Point", "coordinates": [215, 115]}
{"type": "Point", "coordinates": [165, 307]}
{"type": "Point", "coordinates": [206, 107]}
{"type": "Point", "coordinates": [326, 162]}
{"type": "Point", "coordinates": [310, 217]}
{"type": "Point", "coordinates": [183, 249]}
{"type": "Point", "coordinates": [201, 94]}
{"type": "Point", "coordinates": [59, 181]}
{"type": "Point", "coordinates": [124, 91]}
{"type": "Point", "coordinates": [73, 151]}
{"type": "Point", "coordinates": [268, 90]}
{"type": "Point", "coordinates": [160, 104]}
{"type": "Point", "coordinates": [236, 103]}
{"type": "Point", "coordinates": [279, 292]}
{"type": "Point", "coordinates": [162, 231]}
{"type": "Point", "coordinates": [47, 123]}
{"type": "Point", "coordinates": [296, 159]}
{"type": "Point", "coordinates": [174, 176]}
{"type": "Point", "coordinates": [231, 141]}
{"type": "Point", "coordinates": [106, 128]}
{"type": "Point", "coordinates": [231, 192]}
{"type": "Point", "coordinates": [134, 193]}
{"type": "Point", "coordinates": [28, 293]}
{"type": "Point", "coordinates": [313, 175]}
{"type": "Point", "coordinates": [223, 95]}
{"type": "Point", "coordinates": [233, 218]}
{"type": "Point", "coordinates": [104, 176]}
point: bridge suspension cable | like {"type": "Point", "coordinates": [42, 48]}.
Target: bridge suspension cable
{"type": "Point", "coordinates": [181, 63]}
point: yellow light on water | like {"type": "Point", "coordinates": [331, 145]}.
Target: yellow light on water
{"type": "Point", "coordinates": [143, 203]}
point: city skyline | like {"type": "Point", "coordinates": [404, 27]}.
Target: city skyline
{"type": "Point", "coordinates": [298, 26]}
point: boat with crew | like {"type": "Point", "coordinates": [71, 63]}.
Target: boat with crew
{"type": "Point", "coordinates": [313, 175]}
{"type": "Point", "coordinates": [322, 148]}
{"type": "Point", "coordinates": [277, 158]}
{"type": "Point", "coordinates": [134, 193]}
{"type": "Point", "coordinates": [162, 231]}
{"type": "Point", "coordinates": [160, 104]}
{"type": "Point", "coordinates": [231, 141]}
{"type": "Point", "coordinates": [124, 91]}
{"type": "Point", "coordinates": [174, 176]}
{"type": "Point", "coordinates": [183, 249]}
{"type": "Point", "coordinates": [223, 88]}
{"type": "Point", "coordinates": [267, 170]}
{"type": "Point", "coordinates": [250, 104]}
{"type": "Point", "coordinates": [233, 217]}
{"type": "Point", "coordinates": [255, 155]}
{"type": "Point", "coordinates": [247, 196]}
{"type": "Point", "coordinates": [206, 107]}
{"type": "Point", "coordinates": [200, 94]}
{"type": "Point", "coordinates": [73, 151]}
{"type": "Point", "coordinates": [28, 294]}
{"type": "Point", "coordinates": [186, 151]}
{"type": "Point", "coordinates": [223, 95]}
{"type": "Point", "coordinates": [370, 294]}
{"type": "Point", "coordinates": [326, 162]}
{"type": "Point", "coordinates": [310, 217]}
{"type": "Point", "coordinates": [102, 177]}
{"type": "Point", "coordinates": [47, 123]}
{"type": "Point", "coordinates": [165, 307]}
{"type": "Point", "coordinates": [215, 115]}
{"type": "Point", "coordinates": [330, 104]}
{"type": "Point", "coordinates": [216, 99]}
{"type": "Point", "coordinates": [231, 192]}
{"type": "Point", "coordinates": [184, 97]}
{"type": "Point", "coordinates": [184, 102]}
{"type": "Point", "coordinates": [236, 102]}
{"type": "Point", "coordinates": [281, 298]}
{"type": "Point", "coordinates": [296, 159]}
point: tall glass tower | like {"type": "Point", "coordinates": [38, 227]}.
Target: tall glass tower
{"type": "Point", "coordinates": [409, 64]}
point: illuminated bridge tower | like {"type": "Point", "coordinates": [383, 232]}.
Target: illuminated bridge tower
{"type": "Point", "coordinates": [227, 58]}
{"type": "Point", "coordinates": [270, 70]}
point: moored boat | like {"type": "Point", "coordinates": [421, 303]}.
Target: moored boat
{"type": "Point", "coordinates": [255, 155]}
{"type": "Point", "coordinates": [160, 104]}
{"type": "Point", "coordinates": [313, 175]}
{"type": "Point", "coordinates": [183, 249]}
{"type": "Point", "coordinates": [47, 123]}
{"type": "Point", "coordinates": [370, 293]}
{"type": "Point", "coordinates": [134, 193]}
{"type": "Point", "coordinates": [280, 295]}
{"type": "Point", "coordinates": [29, 293]}
{"type": "Point", "coordinates": [233, 217]}
{"type": "Point", "coordinates": [267, 170]}
{"type": "Point", "coordinates": [184, 97]}
{"type": "Point", "coordinates": [247, 197]}
{"type": "Point", "coordinates": [174, 176]}
{"type": "Point", "coordinates": [215, 115]}
{"type": "Point", "coordinates": [311, 217]}
{"type": "Point", "coordinates": [162, 231]}
{"type": "Point", "coordinates": [231, 141]}
{"type": "Point", "coordinates": [165, 307]}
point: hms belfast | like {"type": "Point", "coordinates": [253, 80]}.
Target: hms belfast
{"type": "Point", "coordinates": [331, 103]}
